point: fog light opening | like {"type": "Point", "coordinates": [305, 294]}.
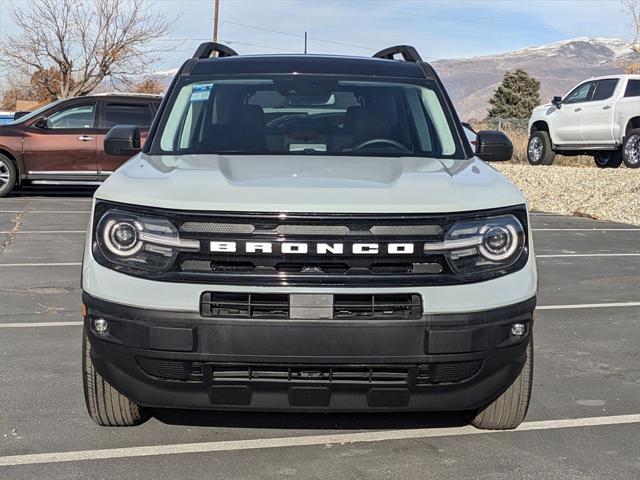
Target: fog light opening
{"type": "Point", "coordinates": [100, 325]}
{"type": "Point", "coordinates": [518, 329]}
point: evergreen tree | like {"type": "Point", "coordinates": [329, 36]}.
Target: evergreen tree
{"type": "Point", "coordinates": [516, 97]}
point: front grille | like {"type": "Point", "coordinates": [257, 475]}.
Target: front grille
{"type": "Point", "coordinates": [307, 250]}
{"type": "Point", "coordinates": [411, 375]}
{"type": "Point", "coordinates": [277, 306]}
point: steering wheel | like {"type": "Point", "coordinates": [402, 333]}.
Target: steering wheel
{"type": "Point", "coordinates": [387, 141]}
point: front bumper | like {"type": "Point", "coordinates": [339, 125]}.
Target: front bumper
{"type": "Point", "coordinates": [171, 359]}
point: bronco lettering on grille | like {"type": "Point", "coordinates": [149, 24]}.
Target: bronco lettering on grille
{"type": "Point", "coordinates": [295, 248]}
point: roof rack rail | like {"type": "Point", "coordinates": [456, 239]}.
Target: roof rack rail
{"type": "Point", "coordinates": [409, 53]}
{"type": "Point", "coordinates": [207, 48]}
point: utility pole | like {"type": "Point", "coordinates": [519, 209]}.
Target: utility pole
{"type": "Point", "coordinates": [305, 43]}
{"type": "Point", "coordinates": [216, 8]}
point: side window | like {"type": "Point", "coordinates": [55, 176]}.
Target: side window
{"type": "Point", "coordinates": [605, 89]}
{"type": "Point", "coordinates": [633, 89]}
{"type": "Point", "coordinates": [78, 116]}
{"type": "Point", "coordinates": [126, 114]}
{"type": "Point", "coordinates": [580, 94]}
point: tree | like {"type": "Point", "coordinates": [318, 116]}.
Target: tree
{"type": "Point", "coordinates": [148, 85]}
{"type": "Point", "coordinates": [68, 47]}
{"type": "Point", "coordinates": [633, 7]}
{"type": "Point", "coordinates": [516, 97]}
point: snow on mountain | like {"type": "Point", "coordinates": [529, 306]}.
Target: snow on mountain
{"type": "Point", "coordinates": [559, 66]}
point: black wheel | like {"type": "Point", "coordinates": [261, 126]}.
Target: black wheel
{"type": "Point", "coordinates": [508, 410]}
{"type": "Point", "coordinates": [539, 150]}
{"type": "Point", "coordinates": [608, 159]}
{"type": "Point", "coordinates": [106, 406]}
{"type": "Point", "coordinates": [631, 149]}
{"type": "Point", "coordinates": [8, 175]}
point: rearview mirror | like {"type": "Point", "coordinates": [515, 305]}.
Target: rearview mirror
{"type": "Point", "coordinates": [557, 101]}
{"type": "Point", "coordinates": [122, 140]}
{"type": "Point", "coordinates": [493, 146]}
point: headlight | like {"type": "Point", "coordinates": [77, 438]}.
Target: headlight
{"type": "Point", "coordinates": [480, 245]}
{"type": "Point", "coordinates": [139, 242]}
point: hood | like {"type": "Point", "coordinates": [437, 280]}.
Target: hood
{"type": "Point", "coordinates": [340, 184]}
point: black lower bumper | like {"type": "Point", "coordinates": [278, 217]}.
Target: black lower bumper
{"type": "Point", "coordinates": [182, 360]}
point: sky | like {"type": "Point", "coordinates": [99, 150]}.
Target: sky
{"type": "Point", "coordinates": [437, 28]}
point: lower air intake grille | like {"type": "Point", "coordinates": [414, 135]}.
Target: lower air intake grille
{"type": "Point", "coordinates": [377, 306]}
{"type": "Point", "coordinates": [276, 306]}
{"type": "Point", "coordinates": [443, 373]}
{"type": "Point", "coordinates": [244, 305]}
{"type": "Point", "coordinates": [311, 373]}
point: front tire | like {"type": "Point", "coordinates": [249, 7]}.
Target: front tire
{"type": "Point", "coordinates": [608, 159]}
{"type": "Point", "coordinates": [631, 149]}
{"type": "Point", "coordinates": [508, 410]}
{"type": "Point", "coordinates": [105, 405]}
{"type": "Point", "coordinates": [8, 175]}
{"type": "Point", "coordinates": [539, 149]}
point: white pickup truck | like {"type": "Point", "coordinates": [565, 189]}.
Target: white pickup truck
{"type": "Point", "coordinates": [599, 117]}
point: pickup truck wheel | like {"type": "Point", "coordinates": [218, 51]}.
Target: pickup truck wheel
{"type": "Point", "coordinates": [631, 149]}
{"type": "Point", "coordinates": [508, 410]}
{"type": "Point", "coordinates": [106, 406]}
{"type": "Point", "coordinates": [608, 159]}
{"type": "Point", "coordinates": [8, 175]}
{"type": "Point", "coordinates": [539, 151]}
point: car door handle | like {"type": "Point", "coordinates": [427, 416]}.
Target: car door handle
{"type": "Point", "coordinates": [578, 109]}
{"type": "Point", "coordinates": [606, 107]}
{"type": "Point", "coordinates": [85, 138]}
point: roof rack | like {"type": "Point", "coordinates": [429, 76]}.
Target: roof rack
{"type": "Point", "coordinates": [409, 53]}
{"type": "Point", "coordinates": [206, 49]}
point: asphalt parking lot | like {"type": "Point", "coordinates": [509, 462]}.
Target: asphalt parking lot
{"type": "Point", "coordinates": [584, 422]}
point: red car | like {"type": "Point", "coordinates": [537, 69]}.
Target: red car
{"type": "Point", "coordinates": [62, 143]}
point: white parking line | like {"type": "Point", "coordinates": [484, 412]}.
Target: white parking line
{"type": "Point", "coordinates": [40, 324]}
{"type": "Point", "coordinates": [335, 439]}
{"type": "Point", "coordinates": [569, 255]}
{"type": "Point", "coordinates": [70, 264]}
{"type": "Point", "coordinates": [585, 229]}
{"type": "Point", "coordinates": [46, 211]}
{"type": "Point", "coordinates": [588, 305]}
{"type": "Point", "coordinates": [56, 232]}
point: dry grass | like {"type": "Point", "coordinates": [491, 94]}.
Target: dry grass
{"type": "Point", "coordinates": [520, 139]}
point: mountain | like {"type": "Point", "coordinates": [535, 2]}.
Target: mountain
{"type": "Point", "coordinates": [559, 67]}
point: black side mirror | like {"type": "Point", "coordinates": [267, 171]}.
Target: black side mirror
{"type": "Point", "coordinates": [41, 123]}
{"type": "Point", "coordinates": [493, 146]}
{"type": "Point", "coordinates": [122, 140]}
{"type": "Point", "coordinates": [557, 101]}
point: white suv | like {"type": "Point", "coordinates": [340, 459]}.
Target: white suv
{"type": "Point", "coordinates": [308, 233]}
{"type": "Point", "coordinates": [600, 117]}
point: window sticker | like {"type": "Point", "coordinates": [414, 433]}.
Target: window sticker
{"type": "Point", "coordinates": [201, 92]}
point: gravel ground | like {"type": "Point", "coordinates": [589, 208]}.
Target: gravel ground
{"type": "Point", "coordinates": [610, 194]}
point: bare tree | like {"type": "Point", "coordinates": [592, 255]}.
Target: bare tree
{"type": "Point", "coordinates": [68, 47]}
{"type": "Point", "coordinates": [633, 7]}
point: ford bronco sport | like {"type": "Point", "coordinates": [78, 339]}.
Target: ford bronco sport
{"type": "Point", "coordinates": [308, 233]}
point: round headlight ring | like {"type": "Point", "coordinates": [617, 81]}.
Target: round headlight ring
{"type": "Point", "coordinates": [502, 254]}
{"type": "Point", "coordinates": [117, 246]}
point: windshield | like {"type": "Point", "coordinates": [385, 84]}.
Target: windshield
{"type": "Point", "coordinates": [307, 114]}
{"type": "Point", "coordinates": [35, 113]}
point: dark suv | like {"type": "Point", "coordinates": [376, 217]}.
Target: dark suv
{"type": "Point", "coordinates": [62, 143]}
